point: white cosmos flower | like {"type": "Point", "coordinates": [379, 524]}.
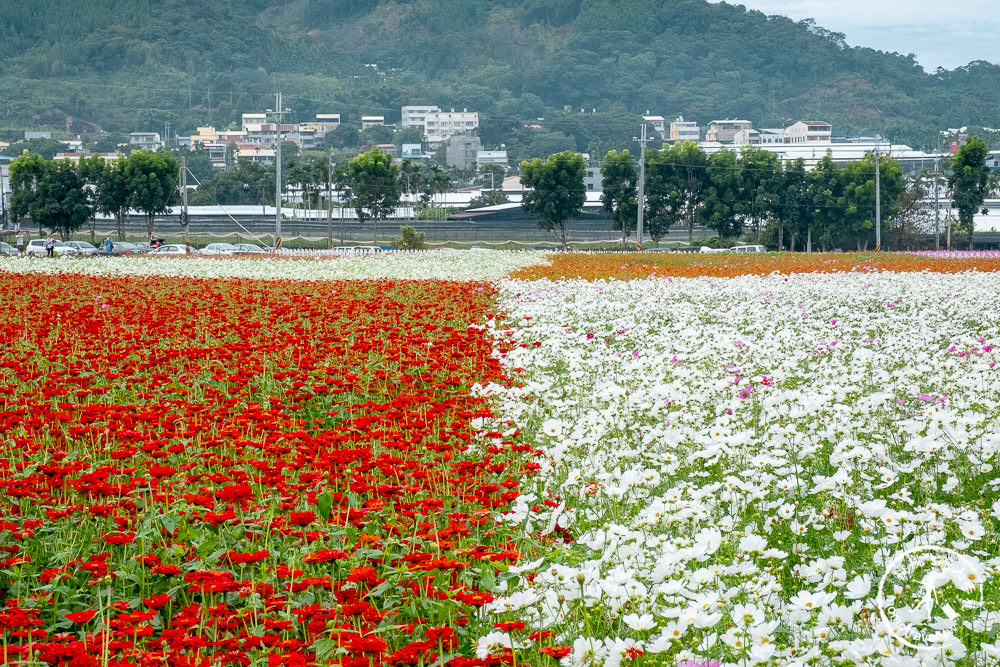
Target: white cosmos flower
{"type": "Point", "coordinates": [859, 587]}
{"type": "Point", "coordinates": [810, 601]}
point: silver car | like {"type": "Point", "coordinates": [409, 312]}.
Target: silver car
{"type": "Point", "coordinates": [83, 247]}
{"type": "Point", "coordinates": [218, 249]}
{"type": "Point", "coordinates": [7, 249]}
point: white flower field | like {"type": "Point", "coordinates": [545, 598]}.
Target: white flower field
{"type": "Point", "coordinates": [731, 464]}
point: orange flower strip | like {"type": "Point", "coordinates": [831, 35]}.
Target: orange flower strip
{"type": "Point", "coordinates": [625, 266]}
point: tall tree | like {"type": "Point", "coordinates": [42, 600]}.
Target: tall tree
{"type": "Point", "coordinates": [373, 180]}
{"type": "Point", "coordinates": [557, 191]}
{"type": "Point", "coordinates": [619, 191]}
{"type": "Point", "coordinates": [969, 182]}
{"type": "Point", "coordinates": [793, 211]}
{"type": "Point", "coordinates": [26, 172]}
{"type": "Point", "coordinates": [724, 202]}
{"type": "Point", "coordinates": [824, 191]}
{"type": "Point", "coordinates": [52, 193]}
{"type": "Point", "coordinates": [676, 185]}
{"type": "Point", "coordinates": [152, 183]}
{"type": "Point", "coordinates": [760, 182]}
{"type": "Point", "coordinates": [857, 217]}
{"type": "Point", "coordinates": [113, 196]}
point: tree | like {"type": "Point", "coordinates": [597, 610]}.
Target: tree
{"type": "Point", "coordinates": [969, 182]}
{"type": "Point", "coordinates": [619, 191]}
{"type": "Point", "coordinates": [410, 239]}
{"type": "Point", "coordinates": [857, 216]}
{"type": "Point", "coordinates": [373, 179]}
{"type": "Point", "coordinates": [152, 182]}
{"type": "Point", "coordinates": [823, 193]}
{"type": "Point", "coordinates": [112, 195]}
{"type": "Point", "coordinates": [676, 186]}
{"type": "Point", "coordinates": [792, 212]}
{"type": "Point", "coordinates": [723, 203]}
{"type": "Point", "coordinates": [489, 198]}
{"type": "Point", "coordinates": [52, 193]}
{"type": "Point", "coordinates": [557, 191]}
{"type": "Point", "coordinates": [760, 182]}
{"type": "Point", "coordinates": [26, 172]}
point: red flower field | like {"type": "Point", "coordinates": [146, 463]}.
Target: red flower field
{"type": "Point", "coordinates": [231, 472]}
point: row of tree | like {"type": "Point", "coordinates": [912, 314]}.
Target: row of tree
{"type": "Point", "coordinates": [64, 195]}
{"type": "Point", "coordinates": [753, 191]}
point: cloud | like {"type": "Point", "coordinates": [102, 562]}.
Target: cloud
{"type": "Point", "coordinates": [947, 35]}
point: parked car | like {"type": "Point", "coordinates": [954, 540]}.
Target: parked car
{"type": "Point", "coordinates": [249, 249]}
{"type": "Point", "coordinates": [171, 249]}
{"type": "Point", "coordinates": [125, 248]}
{"type": "Point", "coordinates": [36, 247]}
{"type": "Point", "coordinates": [748, 248]}
{"type": "Point", "coordinates": [83, 247]}
{"type": "Point", "coordinates": [7, 249]}
{"type": "Point", "coordinates": [218, 249]}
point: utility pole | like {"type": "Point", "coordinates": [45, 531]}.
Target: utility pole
{"type": "Point", "coordinates": [329, 202]}
{"type": "Point", "coordinates": [878, 201]}
{"type": "Point", "coordinates": [278, 112]}
{"type": "Point", "coordinates": [937, 205]}
{"type": "Point", "coordinates": [185, 220]}
{"type": "Point", "coordinates": [641, 200]}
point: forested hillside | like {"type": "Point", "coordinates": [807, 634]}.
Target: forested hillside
{"type": "Point", "coordinates": [136, 64]}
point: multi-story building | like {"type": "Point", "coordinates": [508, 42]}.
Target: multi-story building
{"type": "Point", "coordinates": [746, 137]}
{"type": "Point", "coordinates": [145, 141]}
{"type": "Point", "coordinates": [462, 151]}
{"type": "Point", "coordinates": [252, 121]}
{"type": "Point", "coordinates": [724, 131]}
{"type": "Point", "coordinates": [416, 116]}
{"type": "Point", "coordinates": [371, 121]}
{"type": "Point", "coordinates": [682, 130]}
{"type": "Point", "coordinates": [808, 132]}
{"type": "Point", "coordinates": [255, 153]}
{"type": "Point", "coordinates": [439, 125]}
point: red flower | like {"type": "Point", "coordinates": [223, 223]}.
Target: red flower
{"type": "Point", "coordinates": [81, 616]}
{"type": "Point", "coordinates": [557, 651]}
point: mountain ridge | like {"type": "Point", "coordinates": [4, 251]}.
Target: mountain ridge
{"type": "Point", "coordinates": [138, 64]}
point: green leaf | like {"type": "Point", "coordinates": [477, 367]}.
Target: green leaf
{"type": "Point", "coordinates": [324, 503]}
{"type": "Point", "coordinates": [169, 522]}
{"type": "Point", "coordinates": [323, 647]}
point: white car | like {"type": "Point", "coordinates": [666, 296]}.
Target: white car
{"type": "Point", "coordinates": [36, 247]}
{"type": "Point", "coordinates": [249, 249]}
{"type": "Point", "coordinates": [170, 249]}
{"type": "Point", "coordinates": [218, 249]}
{"type": "Point", "coordinates": [748, 248]}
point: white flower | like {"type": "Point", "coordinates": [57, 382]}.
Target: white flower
{"type": "Point", "coordinates": [637, 622]}
{"type": "Point", "coordinates": [809, 601]}
{"type": "Point", "coordinates": [859, 587]}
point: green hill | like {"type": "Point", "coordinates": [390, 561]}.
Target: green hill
{"type": "Point", "coordinates": [137, 64]}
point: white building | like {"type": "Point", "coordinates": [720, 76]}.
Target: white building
{"type": "Point", "coordinates": [416, 116]}
{"type": "Point", "coordinates": [439, 125]}
{"type": "Point", "coordinates": [808, 132]}
{"type": "Point", "coordinates": [492, 157]}
{"type": "Point", "coordinates": [724, 131]}
{"type": "Point", "coordinates": [371, 121]}
{"type": "Point", "coordinates": [252, 121]}
{"type": "Point", "coordinates": [659, 123]}
{"type": "Point", "coordinates": [145, 141]}
{"type": "Point", "coordinates": [771, 135]}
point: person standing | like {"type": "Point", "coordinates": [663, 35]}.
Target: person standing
{"type": "Point", "coordinates": [50, 246]}
{"type": "Point", "coordinates": [108, 245]}
{"type": "Point", "coordinates": [20, 243]}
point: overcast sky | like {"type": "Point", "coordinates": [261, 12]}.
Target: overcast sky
{"type": "Point", "coordinates": [946, 34]}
